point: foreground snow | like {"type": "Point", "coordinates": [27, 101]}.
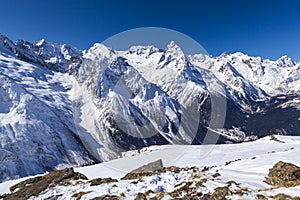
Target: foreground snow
{"type": "Point", "coordinates": [247, 164]}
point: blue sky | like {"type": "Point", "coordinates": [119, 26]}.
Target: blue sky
{"type": "Point", "coordinates": [266, 28]}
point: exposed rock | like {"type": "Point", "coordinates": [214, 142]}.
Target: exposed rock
{"type": "Point", "coordinates": [107, 197]}
{"type": "Point", "coordinates": [78, 195]}
{"type": "Point", "coordinates": [200, 183]}
{"type": "Point", "coordinates": [221, 192]}
{"type": "Point", "coordinates": [272, 137]}
{"type": "Point", "coordinates": [229, 162]}
{"type": "Point", "coordinates": [282, 196]}
{"type": "Point", "coordinates": [140, 196]}
{"type": "Point", "coordinates": [24, 183]}
{"type": "Point", "coordinates": [34, 186]}
{"type": "Point", "coordinates": [99, 181]}
{"type": "Point", "coordinates": [206, 197]}
{"type": "Point", "coordinates": [183, 189]}
{"type": "Point", "coordinates": [55, 197]}
{"type": "Point", "coordinates": [131, 175]}
{"type": "Point", "coordinates": [217, 174]}
{"type": "Point", "coordinates": [284, 175]}
{"type": "Point", "coordinates": [261, 197]}
{"type": "Point", "coordinates": [150, 167]}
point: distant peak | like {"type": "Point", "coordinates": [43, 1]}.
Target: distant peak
{"type": "Point", "coordinates": [41, 42]}
{"type": "Point", "coordinates": [3, 37]}
{"type": "Point", "coordinates": [99, 49]}
{"type": "Point", "coordinates": [143, 49]}
{"type": "Point", "coordinates": [173, 54]}
{"type": "Point", "coordinates": [174, 50]}
{"type": "Point", "coordinates": [285, 61]}
{"type": "Point", "coordinates": [172, 45]}
{"type": "Point", "coordinates": [224, 54]}
{"type": "Point", "coordinates": [285, 57]}
{"type": "Point", "coordinates": [238, 53]}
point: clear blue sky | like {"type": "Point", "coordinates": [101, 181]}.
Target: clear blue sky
{"type": "Point", "coordinates": [266, 28]}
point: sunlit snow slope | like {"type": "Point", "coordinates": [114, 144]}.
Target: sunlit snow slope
{"type": "Point", "coordinates": [242, 168]}
{"type": "Point", "coordinates": [37, 133]}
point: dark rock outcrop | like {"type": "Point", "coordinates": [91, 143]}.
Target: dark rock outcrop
{"type": "Point", "coordinates": [150, 167]}
{"type": "Point", "coordinates": [99, 181]}
{"type": "Point", "coordinates": [34, 186]}
{"type": "Point", "coordinates": [284, 175]}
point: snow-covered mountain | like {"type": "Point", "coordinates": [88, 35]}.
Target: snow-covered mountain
{"type": "Point", "coordinates": [56, 57]}
{"type": "Point", "coordinates": [61, 106]}
{"type": "Point", "coordinates": [168, 98]}
{"type": "Point", "coordinates": [37, 133]}
{"type": "Point", "coordinates": [273, 77]}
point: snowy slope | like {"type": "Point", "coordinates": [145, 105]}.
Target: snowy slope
{"type": "Point", "coordinates": [247, 164]}
{"type": "Point", "coordinates": [37, 133]}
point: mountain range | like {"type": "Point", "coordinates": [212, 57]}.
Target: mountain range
{"type": "Point", "coordinates": [62, 107]}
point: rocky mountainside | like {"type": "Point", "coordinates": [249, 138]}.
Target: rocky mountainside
{"type": "Point", "coordinates": [62, 107]}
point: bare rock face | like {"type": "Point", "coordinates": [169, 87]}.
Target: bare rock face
{"type": "Point", "coordinates": [153, 168]}
{"type": "Point", "coordinates": [150, 167]}
{"type": "Point", "coordinates": [99, 181]}
{"type": "Point", "coordinates": [145, 170]}
{"type": "Point", "coordinates": [284, 175]}
{"type": "Point", "coordinates": [34, 186]}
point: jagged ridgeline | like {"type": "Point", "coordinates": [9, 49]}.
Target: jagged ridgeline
{"type": "Point", "coordinates": [126, 100]}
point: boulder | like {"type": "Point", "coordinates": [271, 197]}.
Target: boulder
{"type": "Point", "coordinates": [284, 175]}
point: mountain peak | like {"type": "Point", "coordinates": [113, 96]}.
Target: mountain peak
{"type": "Point", "coordinates": [173, 47]}
{"type": "Point", "coordinates": [139, 50]}
{"type": "Point", "coordinates": [285, 61]}
{"type": "Point", "coordinates": [99, 50]}
{"type": "Point", "coordinates": [40, 42]}
{"type": "Point", "coordinates": [6, 45]}
{"type": "Point", "coordinates": [173, 56]}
